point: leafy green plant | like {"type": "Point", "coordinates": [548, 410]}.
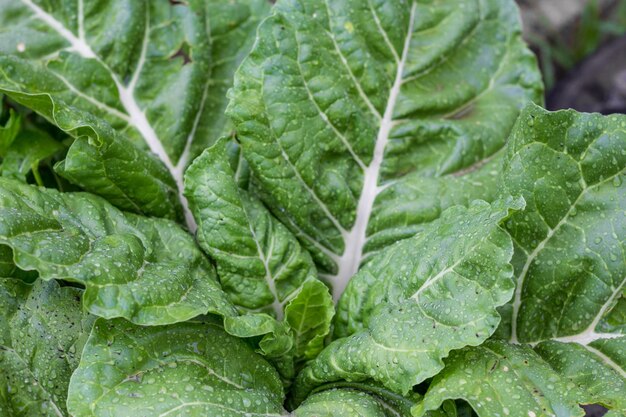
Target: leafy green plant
{"type": "Point", "coordinates": [385, 224]}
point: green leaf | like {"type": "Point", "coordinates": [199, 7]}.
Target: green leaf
{"type": "Point", "coordinates": [570, 245]}
{"type": "Point", "coordinates": [339, 101]}
{"type": "Point", "coordinates": [7, 266]}
{"type": "Point", "coordinates": [30, 147]}
{"type": "Point", "coordinates": [9, 132]}
{"type": "Point", "coordinates": [416, 301]}
{"type": "Point", "coordinates": [260, 263]}
{"type": "Point", "coordinates": [345, 403]}
{"type": "Point", "coordinates": [232, 28]}
{"type": "Point", "coordinates": [191, 369]}
{"type": "Point", "coordinates": [570, 168]}
{"type": "Point", "coordinates": [148, 271]}
{"type": "Point", "coordinates": [593, 368]}
{"type": "Point", "coordinates": [8, 269]}
{"type": "Point", "coordinates": [498, 379]}
{"type": "Point", "coordinates": [42, 333]}
{"type": "Point", "coordinates": [408, 204]}
{"type": "Point", "coordinates": [155, 71]}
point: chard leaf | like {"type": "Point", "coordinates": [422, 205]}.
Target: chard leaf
{"type": "Point", "coordinates": [43, 329]}
{"type": "Point", "coordinates": [6, 262]}
{"type": "Point", "coordinates": [347, 403]}
{"type": "Point", "coordinates": [8, 269]}
{"type": "Point", "coordinates": [191, 369]}
{"type": "Point", "coordinates": [597, 369]}
{"type": "Point", "coordinates": [9, 132]}
{"type": "Point", "coordinates": [232, 28]}
{"type": "Point", "coordinates": [415, 302]}
{"type": "Point", "coordinates": [148, 271]}
{"type": "Point", "coordinates": [571, 238]}
{"type": "Point", "coordinates": [499, 379]}
{"type": "Point", "coordinates": [570, 245]}
{"type": "Point", "coordinates": [151, 69]}
{"type": "Point", "coordinates": [31, 146]}
{"type": "Point", "coordinates": [339, 101]}
{"type": "Point", "coordinates": [260, 263]}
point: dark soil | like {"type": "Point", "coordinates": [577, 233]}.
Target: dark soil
{"type": "Point", "coordinates": [598, 84]}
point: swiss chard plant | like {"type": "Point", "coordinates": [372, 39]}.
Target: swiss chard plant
{"type": "Point", "coordinates": [311, 208]}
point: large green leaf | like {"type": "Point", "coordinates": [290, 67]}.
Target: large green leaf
{"type": "Point", "coordinates": [186, 369]}
{"type": "Point", "coordinates": [155, 70]}
{"type": "Point", "coordinates": [340, 100]}
{"type": "Point", "coordinates": [570, 245]}
{"type": "Point", "coordinates": [42, 332]}
{"type": "Point", "coordinates": [260, 263]}
{"type": "Point", "coordinates": [571, 238]}
{"type": "Point", "coordinates": [149, 271]}
{"type": "Point", "coordinates": [498, 379]}
{"type": "Point", "coordinates": [418, 300]}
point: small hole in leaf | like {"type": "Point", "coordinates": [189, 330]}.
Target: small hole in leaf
{"type": "Point", "coordinates": [184, 52]}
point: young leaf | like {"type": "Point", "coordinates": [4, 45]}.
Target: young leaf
{"type": "Point", "coordinates": [415, 302]}
{"type": "Point", "coordinates": [148, 271]}
{"type": "Point", "coordinates": [498, 379]}
{"type": "Point", "coordinates": [338, 101]}
{"type": "Point", "coordinates": [42, 332]}
{"type": "Point", "coordinates": [31, 146]}
{"type": "Point", "coordinates": [260, 263]}
{"type": "Point", "coordinates": [9, 132]}
{"type": "Point", "coordinates": [156, 86]}
{"type": "Point", "coordinates": [192, 369]}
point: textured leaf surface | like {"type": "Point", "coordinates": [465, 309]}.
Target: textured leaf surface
{"type": "Point", "coordinates": [571, 238]}
{"type": "Point", "coordinates": [232, 29]}
{"type": "Point", "coordinates": [597, 369]}
{"type": "Point", "coordinates": [146, 270]}
{"type": "Point", "coordinates": [570, 245]}
{"type": "Point", "coordinates": [260, 263]}
{"type": "Point", "coordinates": [345, 403]}
{"type": "Point", "coordinates": [190, 369]}
{"type": "Point", "coordinates": [339, 101]}
{"type": "Point", "coordinates": [42, 332]}
{"type": "Point", "coordinates": [155, 70]}
{"type": "Point", "coordinates": [498, 379]}
{"type": "Point", "coordinates": [420, 299]}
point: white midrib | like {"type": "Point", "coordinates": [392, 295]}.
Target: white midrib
{"type": "Point", "coordinates": [589, 334]}
{"type": "Point", "coordinates": [269, 279]}
{"type": "Point", "coordinates": [356, 238]}
{"type": "Point", "coordinates": [137, 117]}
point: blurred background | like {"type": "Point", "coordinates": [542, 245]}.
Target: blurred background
{"type": "Point", "coordinates": [581, 46]}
